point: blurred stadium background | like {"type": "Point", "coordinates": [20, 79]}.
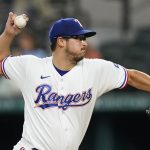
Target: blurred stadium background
{"type": "Point", "coordinates": [119, 121]}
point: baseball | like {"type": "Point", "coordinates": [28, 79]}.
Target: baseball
{"type": "Point", "coordinates": [20, 21]}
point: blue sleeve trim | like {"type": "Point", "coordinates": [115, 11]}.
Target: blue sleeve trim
{"type": "Point", "coordinates": [3, 68]}
{"type": "Point", "coordinates": [125, 79]}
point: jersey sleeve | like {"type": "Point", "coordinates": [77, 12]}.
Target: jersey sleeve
{"type": "Point", "coordinates": [14, 68]}
{"type": "Point", "coordinates": [110, 76]}
{"type": "Point", "coordinates": [123, 76]}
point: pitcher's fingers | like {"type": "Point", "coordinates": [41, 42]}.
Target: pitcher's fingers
{"type": "Point", "coordinates": [11, 18]}
{"type": "Point", "coordinates": [25, 17]}
{"type": "Point", "coordinates": [14, 16]}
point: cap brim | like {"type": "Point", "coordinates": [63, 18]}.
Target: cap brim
{"type": "Point", "coordinates": [87, 33]}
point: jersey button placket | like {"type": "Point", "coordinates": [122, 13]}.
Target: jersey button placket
{"type": "Point", "coordinates": [61, 85]}
{"type": "Point", "coordinates": [66, 129]}
{"type": "Point", "coordinates": [62, 113]}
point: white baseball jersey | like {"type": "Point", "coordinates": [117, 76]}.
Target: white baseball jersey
{"type": "Point", "coordinates": [58, 108]}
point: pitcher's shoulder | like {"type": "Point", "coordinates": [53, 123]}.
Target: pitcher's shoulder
{"type": "Point", "coordinates": [88, 61]}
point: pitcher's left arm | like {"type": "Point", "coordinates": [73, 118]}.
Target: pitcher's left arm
{"type": "Point", "coordinates": [138, 79]}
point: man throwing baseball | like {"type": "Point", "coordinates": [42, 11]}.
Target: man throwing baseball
{"type": "Point", "coordinates": [60, 91]}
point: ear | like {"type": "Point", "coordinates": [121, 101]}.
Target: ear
{"type": "Point", "coordinates": [61, 42]}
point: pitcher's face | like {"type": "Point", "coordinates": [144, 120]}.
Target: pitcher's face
{"type": "Point", "coordinates": [76, 47]}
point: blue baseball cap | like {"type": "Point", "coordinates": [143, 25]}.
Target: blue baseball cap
{"type": "Point", "coordinates": [68, 27]}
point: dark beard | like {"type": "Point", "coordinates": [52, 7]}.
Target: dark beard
{"type": "Point", "coordinates": [77, 59]}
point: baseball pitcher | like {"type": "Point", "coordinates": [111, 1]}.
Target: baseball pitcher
{"type": "Point", "coordinates": [60, 91]}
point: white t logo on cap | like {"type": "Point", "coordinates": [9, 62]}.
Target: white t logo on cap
{"type": "Point", "coordinates": [76, 20]}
